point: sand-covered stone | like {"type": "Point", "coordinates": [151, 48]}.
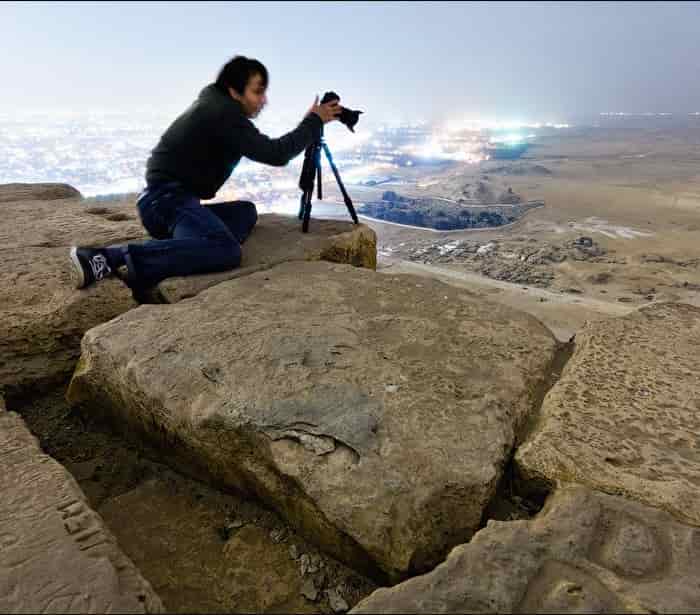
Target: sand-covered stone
{"type": "Point", "coordinates": [625, 415]}
{"type": "Point", "coordinates": [37, 192]}
{"type": "Point", "coordinates": [586, 552]}
{"type": "Point", "coordinates": [375, 413]}
{"type": "Point", "coordinates": [56, 555]}
{"type": "Point", "coordinates": [277, 239]}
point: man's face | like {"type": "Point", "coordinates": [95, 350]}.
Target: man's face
{"type": "Point", "coordinates": [254, 97]}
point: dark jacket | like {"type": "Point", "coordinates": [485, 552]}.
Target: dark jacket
{"type": "Point", "coordinates": [202, 146]}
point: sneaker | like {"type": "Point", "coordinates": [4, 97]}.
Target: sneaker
{"type": "Point", "coordinates": [89, 266]}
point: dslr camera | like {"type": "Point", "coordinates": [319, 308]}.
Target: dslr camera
{"type": "Point", "coordinates": [349, 117]}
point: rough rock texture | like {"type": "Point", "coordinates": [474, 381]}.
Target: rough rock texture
{"type": "Point", "coordinates": [37, 192]}
{"type": "Point", "coordinates": [42, 317]}
{"type": "Point", "coordinates": [277, 239]}
{"type": "Point", "coordinates": [586, 552]}
{"type": "Point", "coordinates": [625, 415]}
{"type": "Point", "coordinates": [56, 556]}
{"type": "Point", "coordinates": [374, 412]}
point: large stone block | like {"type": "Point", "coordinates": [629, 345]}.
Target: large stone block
{"type": "Point", "coordinates": [625, 415]}
{"type": "Point", "coordinates": [42, 316]}
{"type": "Point", "coordinates": [277, 239]}
{"type": "Point", "coordinates": [56, 555]}
{"type": "Point", "coordinates": [375, 413]}
{"type": "Point", "coordinates": [586, 552]}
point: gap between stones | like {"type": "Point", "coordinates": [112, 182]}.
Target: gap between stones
{"type": "Point", "coordinates": [199, 526]}
{"type": "Point", "coordinates": [75, 440]}
{"type": "Point", "coordinates": [515, 497]}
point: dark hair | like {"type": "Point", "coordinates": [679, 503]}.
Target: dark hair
{"type": "Point", "coordinates": [236, 72]}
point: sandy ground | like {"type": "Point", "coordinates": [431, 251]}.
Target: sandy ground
{"type": "Point", "coordinates": [563, 314]}
{"type": "Point", "coordinates": [634, 191]}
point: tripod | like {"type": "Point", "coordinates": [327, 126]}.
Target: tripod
{"type": "Point", "coordinates": [309, 171]}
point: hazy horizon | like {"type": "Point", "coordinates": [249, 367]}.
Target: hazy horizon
{"type": "Point", "coordinates": [397, 61]}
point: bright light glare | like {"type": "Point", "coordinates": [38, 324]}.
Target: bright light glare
{"type": "Point", "coordinates": [480, 124]}
{"type": "Point", "coordinates": [510, 139]}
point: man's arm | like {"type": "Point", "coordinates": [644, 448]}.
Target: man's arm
{"type": "Point", "coordinates": [278, 152]}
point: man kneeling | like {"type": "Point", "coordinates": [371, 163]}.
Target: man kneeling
{"type": "Point", "coordinates": [192, 160]}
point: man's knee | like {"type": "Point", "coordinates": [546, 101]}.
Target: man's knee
{"type": "Point", "coordinates": [233, 252]}
{"type": "Point", "coordinates": [250, 212]}
{"type": "Point", "coordinates": [225, 250]}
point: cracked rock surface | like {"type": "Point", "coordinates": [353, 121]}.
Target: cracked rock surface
{"type": "Point", "coordinates": [375, 413]}
{"type": "Point", "coordinates": [585, 552]}
{"type": "Point", "coordinates": [56, 555]}
{"type": "Point", "coordinates": [624, 417]}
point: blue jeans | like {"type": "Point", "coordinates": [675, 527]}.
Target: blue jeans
{"type": "Point", "coordinates": [190, 238]}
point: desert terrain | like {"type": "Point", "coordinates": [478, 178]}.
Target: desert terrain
{"type": "Point", "coordinates": [619, 228]}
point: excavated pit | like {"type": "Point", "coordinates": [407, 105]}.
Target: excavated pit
{"type": "Point", "coordinates": [202, 550]}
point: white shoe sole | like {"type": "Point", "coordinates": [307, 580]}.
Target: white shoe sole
{"type": "Point", "coordinates": [77, 273]}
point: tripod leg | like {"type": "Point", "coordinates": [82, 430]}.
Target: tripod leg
{"type": "Point", "coordinates": [346, 197]}
{"type": "Point", "coordinates": [307, 213]}
{"type": "Point", "coordinates": [305, 203]}
{"type": "Point", "coordinates": [306, 182]}
{"type": "Point", "coordinates": [310, 192]}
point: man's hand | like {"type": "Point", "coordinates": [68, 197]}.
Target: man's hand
{"type": "Point", "coordinates": [328, 111]}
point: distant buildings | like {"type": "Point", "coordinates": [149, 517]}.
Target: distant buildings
{"type": "Point", "coordinates": [106, 154]}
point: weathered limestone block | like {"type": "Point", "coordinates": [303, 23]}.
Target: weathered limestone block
{"type": "Point", "coordinates": [37, 192]}
{"type": "Point", "coordinates": [56, 555]}
{"type": "Point", "coordinates": [585, 552]}
{"type": "Point", "coordinates": [42, 316]}
{"type": "Point", "coordinates": [277, 239]}
{"type": "Point", "coordinates": [625, 415]}
{"type": "Point", "coordinates": [375, 413]}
